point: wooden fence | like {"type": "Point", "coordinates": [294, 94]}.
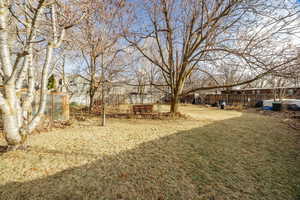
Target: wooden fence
{"type": "Point", "coordinates": [241, 99]}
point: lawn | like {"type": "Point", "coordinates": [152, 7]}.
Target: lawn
{"type": "Point", "coordinates": [216, 155]}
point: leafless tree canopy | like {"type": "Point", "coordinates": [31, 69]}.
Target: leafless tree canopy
{"type": "Point", "coordinates": [214, 38]}
{"type": "Point", "coordinates": [30, 33]}
{"type": "Point", "coordinates": [179, 46]}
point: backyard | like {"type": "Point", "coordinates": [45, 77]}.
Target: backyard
{"type": "Point", "coordinates": [213, 155]}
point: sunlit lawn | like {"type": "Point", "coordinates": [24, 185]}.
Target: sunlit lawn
{"type": "Point", "coordinates": [218, 155]}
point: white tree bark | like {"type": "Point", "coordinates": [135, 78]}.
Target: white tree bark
{"type": "Point", "coordinates": [13, 110]}
{"type": "Point", "coordinates": [43, 91]}
{"type": "Point", "coordinates": [9, 113]}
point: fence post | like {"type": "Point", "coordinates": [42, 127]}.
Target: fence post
{"type": "Point", "coordinates": [227, 98]}
{"type": "Point", "coordinates": [66, 108]}
{"type": "Point", "coordinates": [51, 109]}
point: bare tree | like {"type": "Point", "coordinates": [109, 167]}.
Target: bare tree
{"type": "Point", "coordinates": [200, 36]}
{"type": "Point", "coordinates": [37, 29]}
{"type": "Point", "coordinates": [98, 40]}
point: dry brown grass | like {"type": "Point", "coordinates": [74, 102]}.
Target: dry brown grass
{"type": "Point", "coordinates": [218, 155]}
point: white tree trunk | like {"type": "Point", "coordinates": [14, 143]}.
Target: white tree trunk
{"type": "Point", "coordinates": [13, 112]}
{"type": "Point", "coordinates": [9, 105]}
{"type": "Point", "coordinates": [43, 93]}
{"type": "Point", "coordinates": [11, 131]}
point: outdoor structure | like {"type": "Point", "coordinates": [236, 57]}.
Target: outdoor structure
{"type": "Point", "coordinates": [289, 91]}
{"type": "Point", "coordinates": [116, 93]}
{"type": "Point", "coordinates": [141, 109]}
{"type": "Point", "coordinates": [78, 90]}
{"type": "Point", "coordinates": [57, 106]}
{"type": "Point", "coordinates": [192, 98]}
{"type": "Point", "coordinates": [144, 98]}
{"type": "Point", "coordinates": [251, 96]}
{"type": "Point", "coordinates": [199, 96]}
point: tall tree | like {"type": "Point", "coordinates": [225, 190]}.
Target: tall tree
{"type": "Point", "coordinates": [201, 35]}
{"type": "Point", "coordinates": [27, 29]}
{"type": "Point", "coordinates": [98, 39]}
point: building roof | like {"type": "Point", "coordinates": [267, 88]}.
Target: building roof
{"type": "Point", "coordinates": [247, 89]}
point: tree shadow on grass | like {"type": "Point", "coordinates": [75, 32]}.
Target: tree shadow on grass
{"type": "Point", "coordinates": [240, 158]}
{"type": "Point", "coordinates": [3, 149]}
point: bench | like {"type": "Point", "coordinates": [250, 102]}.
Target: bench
{"type": "Point", "coordinates": [140, 109]}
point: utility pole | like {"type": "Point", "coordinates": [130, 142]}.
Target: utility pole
{"type": "Point", "coordinates": [103, 122]}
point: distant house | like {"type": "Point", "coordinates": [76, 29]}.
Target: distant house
{"type": "Point", "coordinates": [251, 96]}
{"type": "Point", "coordinates": [78, 88]}
{"type": "Point", "coordinates": [116, 92]}
{"type": "Point", "coordinates": [144, 98]}
{"type": "Point", "coordinates": [199, 96]}
{"type": "Point", "coordinates": [146, 95]}
{"type": "Point", "coordinates": [289, 91]}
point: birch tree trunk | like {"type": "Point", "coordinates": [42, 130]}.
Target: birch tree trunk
{"type": "Point", "coordinates": [16, 123]}
{"type": "Point", "coordinates": [9, 113]}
